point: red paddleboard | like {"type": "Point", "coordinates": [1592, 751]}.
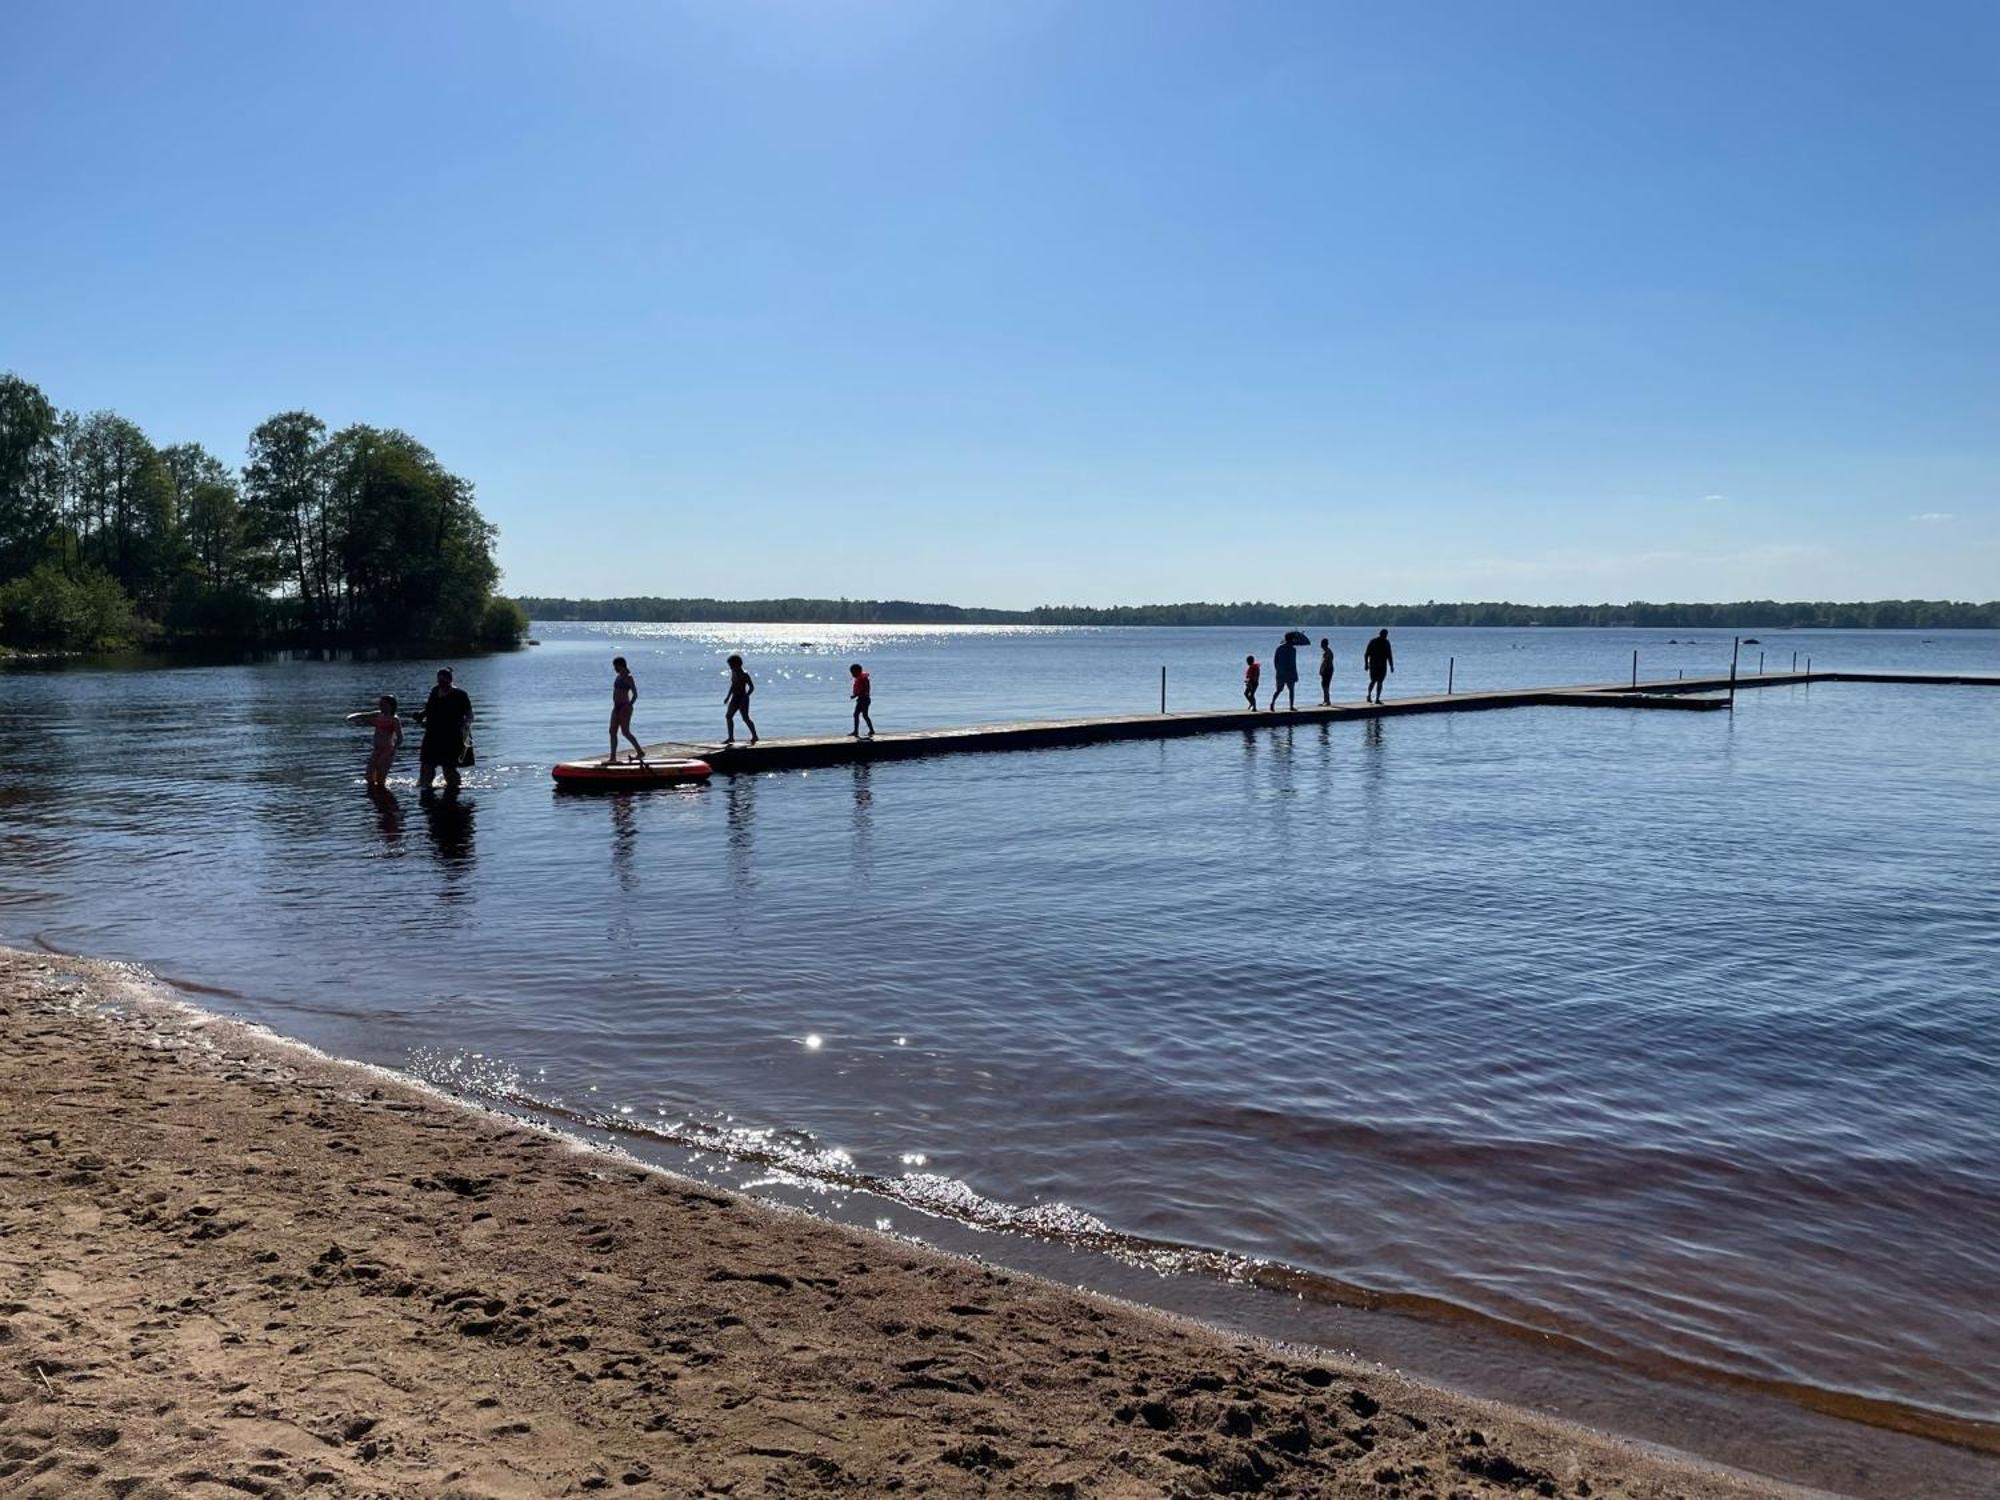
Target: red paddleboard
{"type": "Point", "coordinates": [595, 773]}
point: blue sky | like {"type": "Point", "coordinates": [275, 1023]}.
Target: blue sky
{"type": "Point", "coordinates": [1024, 302]}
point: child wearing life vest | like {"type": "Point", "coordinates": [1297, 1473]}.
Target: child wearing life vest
{"type": "Point", "coordinates": [861, 696]}
{"type": "Point", "coordinates": [1251, 672]}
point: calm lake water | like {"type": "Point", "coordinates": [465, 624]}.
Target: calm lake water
{"type": "Point", "coordinates": [1669, 1034]}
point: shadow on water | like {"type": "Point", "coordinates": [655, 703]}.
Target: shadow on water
{"type": "Point", "coordinates": [864, 819]}
{"type": "Point", "coordinates": [624, 840]}
{"type": "Point", "coordinates": [388, 817]}
{"type": "Point", "coordinates": [739, 817]}
{"type": "Point", "coordinates": [448, 817]}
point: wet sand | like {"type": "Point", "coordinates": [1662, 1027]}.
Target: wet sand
{"type": "Point", "coordinates": [231, 1267]}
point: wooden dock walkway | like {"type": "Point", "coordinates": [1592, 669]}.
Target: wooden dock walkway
{"type": "Point", "coordinates": [1695, 694]}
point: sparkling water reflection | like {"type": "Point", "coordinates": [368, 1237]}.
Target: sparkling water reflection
{"type": "Point", "coordinates": [1671, 1034]}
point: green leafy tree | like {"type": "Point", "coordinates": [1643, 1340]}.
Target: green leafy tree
{"type": "Point", "coordinates": [121, 502]}
{"type": "Point", "coordinates": [190, 466]}
{"type": "Point", "coordinates": [284, 487]}
{"type": "Point", "coordinates": [504, 625]}
{"type": "Point", "coordinates": [30, 480]}
{"type": "Point", "coordinates": [416, 556]}
{"type": "Point", "coordinates": [53, 609]}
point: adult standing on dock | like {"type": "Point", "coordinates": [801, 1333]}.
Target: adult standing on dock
{"type": "Point", "coordinates": [446, 717]}
{"type": "Point", "coordinates": [1380, 661]}
{"type": "Point", "coordinates": [737, 701]}
{"type": "Point", "coordinates": [1325, 673]}
{"type": "Point", "coordinates": [1285, 673]}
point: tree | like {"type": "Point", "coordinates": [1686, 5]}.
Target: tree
{"type": "Point", "coordinates": [284, 486]}
{"type": "Point", "coordinates": [365, 536]}
{"type": "Point", "coordinates": [416, 557]}
{"type": "Point", "coordinates": [121, 502]}
{"type": "Point", "coordinates": [50, 609]}
{"type": "Point", "coordinates": [29, 479]}
{"type": "Point", "coordinates": [504, 625]}
{"type": "Point", "coordinates": [189, 465]}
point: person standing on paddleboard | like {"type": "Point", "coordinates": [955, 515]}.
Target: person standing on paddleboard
{"type": "Point", "coordinates": [446, 717]}
{"type": "Point", "coordinates": [1325, 673]}
{"type": "Point", "coordinates": [862, 696]}
{"type": "Point", "coordinates": [624, 693]}
{"type": "Point", "coordinates": [737, 701]}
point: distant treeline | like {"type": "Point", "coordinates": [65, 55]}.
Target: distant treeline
{"type": "Point", "coordinates": [352, 538]}
{"type": "Point", "coordinates": [1763, 614]}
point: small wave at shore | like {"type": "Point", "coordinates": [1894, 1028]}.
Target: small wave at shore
{"type": "Point", "coordinates": [795, 1158]}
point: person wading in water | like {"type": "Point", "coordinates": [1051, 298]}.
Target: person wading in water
{"type": "Point", "coordinates": [446, 717]}
{"type": "Point", "coordinates": [1380, 661]}
{"type": "Point", "coordinates": [388, 740]}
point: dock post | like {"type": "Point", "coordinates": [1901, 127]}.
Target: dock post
{"type": "Point", "coordinates": [1163, 690]}
{"type": "Point", "coordinates": [1635, 667]}
{"type": "Point", "coordinates": [1450, 672]}
{"type": "Point", "coordinates": [1735, 646]}
{"type": "Point", "coordinates": [1760, 664]}
{"type": "Point", "coordinates": [1795, 662]}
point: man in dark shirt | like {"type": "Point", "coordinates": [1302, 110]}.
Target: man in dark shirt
{"type": "Point", "coordinates": [446, 716]}
{"type": "Point", "coordinates": [1380, 661]}
{"type": "Point", "coordinates": [1285, 673]}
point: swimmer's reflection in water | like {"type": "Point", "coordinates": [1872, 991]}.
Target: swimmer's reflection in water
{"type": "Point", "coordinates": [449, 820]}
{"type": "Point", "coordinates": [388, 815]}
{"type": "Point", "coordinates": [624, 837]}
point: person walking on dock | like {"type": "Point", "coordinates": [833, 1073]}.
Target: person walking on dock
{"type": "Point", "coordinates": [624, 693]}
{"type": "Point", "coordinates": [737, 701]}
{"type": "Point", "coordinates": [1325, 674]}
{"type": "Point", "coordinates": [1251, 672]}
{"type": "Point", "coordinates": [1380, 661]}
{"type": "Point", "coordinates": [861, 696]}
{"type": "Point", "coordinates": [447, 719]}
{"type": "Point", "coordinates": [1285, 674]}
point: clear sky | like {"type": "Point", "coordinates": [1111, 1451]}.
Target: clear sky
{"type": "Point", "coordinates": [1009, 302]}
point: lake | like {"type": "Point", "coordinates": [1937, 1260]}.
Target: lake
{"type": "Point", "coordinates": [1666, 1040]}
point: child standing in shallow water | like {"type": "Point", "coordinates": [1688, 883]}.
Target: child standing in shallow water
{"type": "Point", "coordinates": [388, 739]}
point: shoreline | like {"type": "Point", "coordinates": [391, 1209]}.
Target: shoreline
{"type": "Point", "coordinates": [233, 1265]}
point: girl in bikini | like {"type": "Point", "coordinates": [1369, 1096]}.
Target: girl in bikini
{"type": "Point", "coordinates": [388, 729]}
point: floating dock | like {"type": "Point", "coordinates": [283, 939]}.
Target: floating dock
{"type": "Point", "coordinates": [1691, 694]}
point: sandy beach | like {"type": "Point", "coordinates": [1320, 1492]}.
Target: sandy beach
{"type": "Point", "coordinates": [229, 1266]}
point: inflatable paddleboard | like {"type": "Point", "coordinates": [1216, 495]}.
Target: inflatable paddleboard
{"type": "Point", "coordinates": [595, 773]}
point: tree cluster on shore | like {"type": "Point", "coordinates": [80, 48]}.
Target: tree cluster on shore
{"type": "Point", "coordinates": [1761, 614]}
{"type": "Point", "coordinates": [356, 538]}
